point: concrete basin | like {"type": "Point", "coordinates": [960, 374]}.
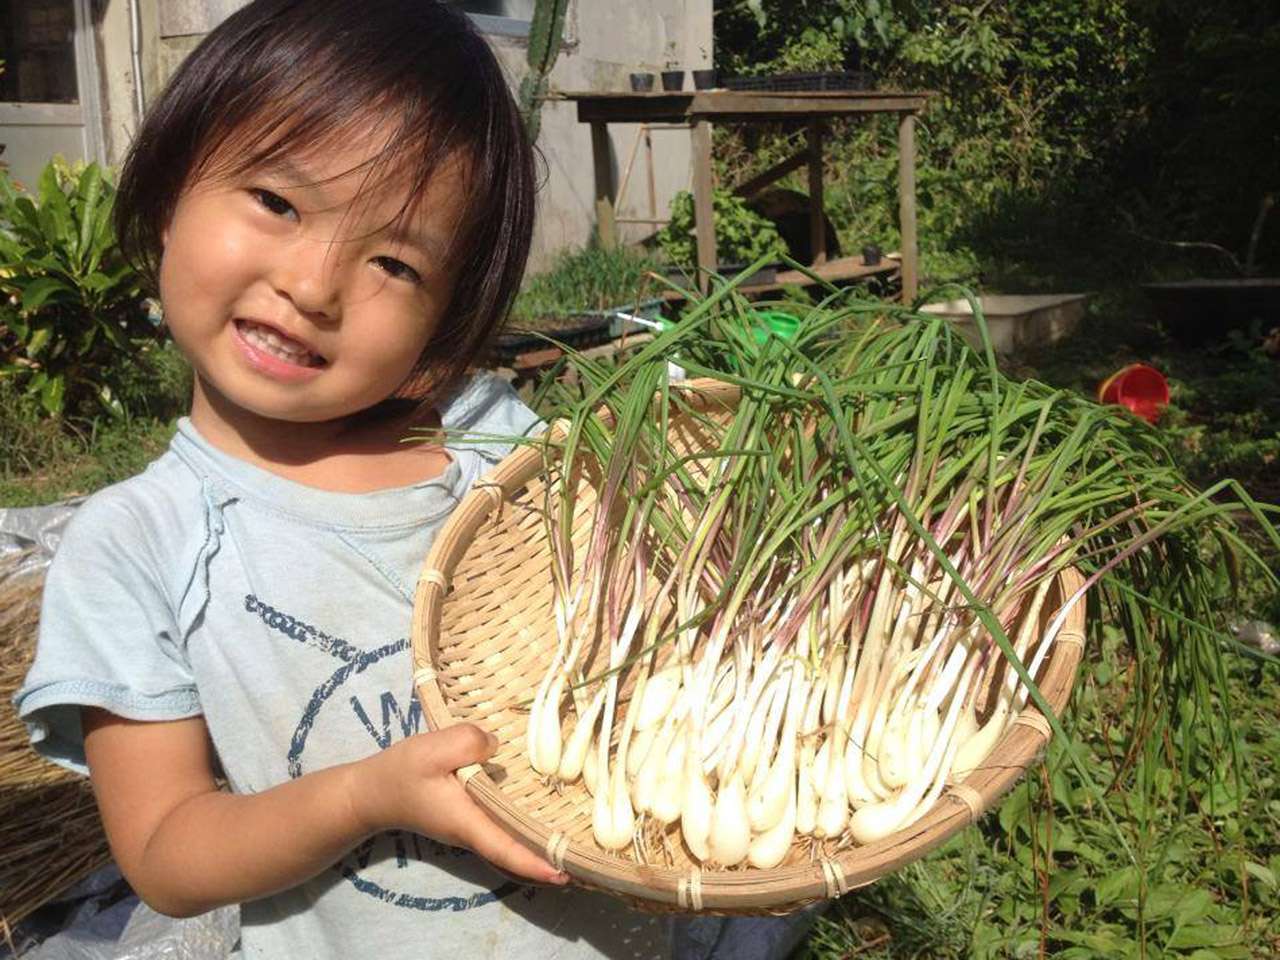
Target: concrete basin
{"type": "Point", "coordinates": [1017, 321]}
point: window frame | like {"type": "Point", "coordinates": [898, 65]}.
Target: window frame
{"type": "Point", "coordinates": [487, 23]}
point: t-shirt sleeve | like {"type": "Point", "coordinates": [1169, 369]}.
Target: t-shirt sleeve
{"type": "Point", "coordinates": [488, 407]}
{"type": "Point", "coordinates": [108, 635]}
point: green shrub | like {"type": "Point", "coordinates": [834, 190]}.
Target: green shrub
{"type": "Point", "coordinates": [73, 327]}
{"type": "Point", "coordinates": [742, 235]}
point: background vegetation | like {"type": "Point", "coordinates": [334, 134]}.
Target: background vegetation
{"type": "Point", "coordinates": [1061, 132]}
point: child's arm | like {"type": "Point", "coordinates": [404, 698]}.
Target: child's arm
{"type": "Point", "coordinates": [187, 847]}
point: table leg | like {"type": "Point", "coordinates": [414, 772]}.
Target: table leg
{"type": "Point", "coordinates": [605, 217]}
{"type": "Point", "coordinates": [704, 220]}
{"type": "Point", "coordinates": [817, 226]}
{"type": "Point", "coordinates": [907, 203]}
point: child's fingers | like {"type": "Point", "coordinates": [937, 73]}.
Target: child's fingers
{"type": "Point", "coordinates": [461, 744]}
{"type": "Point", "coordinates": [497, 846]}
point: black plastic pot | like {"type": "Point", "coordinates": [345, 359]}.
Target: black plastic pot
{"type": "Point", "coordinates": [672, 79]}
{"type": "Point", "coordinates": [870, 255]}
{"type": "Point", "coordinates": [641, 82]}
{"type": "Point", "coordinates": [704, 79]}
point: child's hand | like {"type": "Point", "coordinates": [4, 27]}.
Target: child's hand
{"type": "Point", "coordinates": [412, 786]}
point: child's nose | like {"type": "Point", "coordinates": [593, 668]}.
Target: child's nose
{"type": "Point", "coordinates": [309, 276]}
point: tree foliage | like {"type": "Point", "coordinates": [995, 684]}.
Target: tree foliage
{"type": "Point", "coordinates": [1050, 118]}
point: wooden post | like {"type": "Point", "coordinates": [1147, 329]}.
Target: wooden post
{"type": "Point", "coordinates": [817, 226]}
{"type": "Point", "coordinates": [605, 222]}
{"type": "Point", "coordinates": [620, 199]}
{"type": "Point", "coordinates": [907, 203]}
{"type": "Point", "coordinates": [703, 216]}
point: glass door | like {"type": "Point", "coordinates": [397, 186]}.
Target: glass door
{"type": "Point", "coordinates": [48, 88]}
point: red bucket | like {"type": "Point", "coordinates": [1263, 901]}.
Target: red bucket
{"type": "Point", "coordinates": [1137, 387]}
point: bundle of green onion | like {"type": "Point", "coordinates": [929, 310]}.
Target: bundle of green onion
{"type": "Point", "coordinates": [838, 602]}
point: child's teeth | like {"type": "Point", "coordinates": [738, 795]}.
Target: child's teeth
{"type": "Point", "coordinates": [268, 340]}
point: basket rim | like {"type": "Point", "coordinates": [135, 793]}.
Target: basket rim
{"type": "Point", "coordinates": [698, 888]}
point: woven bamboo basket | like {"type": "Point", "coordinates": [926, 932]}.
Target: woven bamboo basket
{"type": "Point", "coordinates": [483, 635]}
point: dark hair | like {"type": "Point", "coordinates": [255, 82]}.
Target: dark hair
{"type": "Point", "coordinates": [278, 76]}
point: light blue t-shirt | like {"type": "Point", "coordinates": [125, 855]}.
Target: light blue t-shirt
{"type": "Point", "coordinates": [280, 613]}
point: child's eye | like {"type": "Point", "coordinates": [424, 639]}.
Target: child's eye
{"type": "Point", "coordinates": [397, 269]}
{"type": "Point", "coordinates": [273, 202]}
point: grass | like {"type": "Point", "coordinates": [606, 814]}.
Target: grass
{"type": "Point", "coordinates": [44, 460]}
{"type": "Point", "coordinates": [1043, 877]}
{"type": "Point", "coordinates": [75, 464]}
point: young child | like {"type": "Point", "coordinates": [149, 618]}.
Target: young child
{"type": "Point", "coordinates": [336, 201]}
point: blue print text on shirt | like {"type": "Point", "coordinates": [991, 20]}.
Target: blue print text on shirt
{"type": "Point", "coordinates": [385, 721]}
{"type": "Point", "coordinates": [409, 725]}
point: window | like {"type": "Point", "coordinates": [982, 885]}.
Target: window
{"type": "Point", "coordinates": [514, 9]}
{"type": "Point", "coordinates": [508, 17]}
{"type": "Point", "coordinates": [38, 40]}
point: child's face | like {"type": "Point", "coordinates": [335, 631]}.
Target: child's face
{"type": "Point", "coordinates": [292, 297]}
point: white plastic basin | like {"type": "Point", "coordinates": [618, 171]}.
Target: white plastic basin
{"type": "Point", "coordinates": [1017, 321]}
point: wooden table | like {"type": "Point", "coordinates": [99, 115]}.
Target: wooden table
{"type": "Point", "coordinates": [700, 108]}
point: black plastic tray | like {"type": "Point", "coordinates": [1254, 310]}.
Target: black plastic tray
{"type": "Point", "coordinates": [578, 332]}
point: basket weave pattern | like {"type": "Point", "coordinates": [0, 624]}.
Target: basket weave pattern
{"type": "Point", "coordinates": [484, 635]}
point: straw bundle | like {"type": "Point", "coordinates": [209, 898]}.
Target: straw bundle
{"type": "Point", "coordinates": [52, 834]}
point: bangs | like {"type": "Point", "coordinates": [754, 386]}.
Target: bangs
{"type": "Point", "coordinates": [285, 78]}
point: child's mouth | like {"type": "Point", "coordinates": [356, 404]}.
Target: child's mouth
{"type": "Point", "coordinates": [271, 341]}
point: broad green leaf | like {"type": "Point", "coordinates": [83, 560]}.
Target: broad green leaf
{"type": "Point", "coordinates": [1122, 884]}
{"type": "Point", "coordinates": [87, 339]}
{"type": "Point", "coordinates": [1013, 812]}
{"type": "Point", "coordinates": [47, 187]}
{"type": "Point", "coordinates": [109, 402]}
{"type": "Point", "coordinates": [88, 193]}
{"type": "Point", "coordinates": [40, 291]}
{"type": "Point", "coordinates": [1064, 837]}
{"type": "Point", "coordinates": [55, 213]}
{"type": "Point", "coordinates": [1204, 935]}
{"type": "Point", "coordinates": [1106, 940]}
{"type": "Point", "coordinates": [29, 215]}
{"type": "Point", "coordinates": [12, 250]}
{"type": "Point", "coordinates": [1259, 872]}
{"type": "Point", "coordinates": [53, 393]}
{"type": "Point", "coordinates": [39, 339]}
{"type": "Point", "coordinates": [103, 241]}
{"type": "Point", "coordinates": [97, 281]}
{"type": "Point", "coordinates": [1229, 952]}
{"type": "Point", "coordinates": [8, 190]}
{"type": "Point", "coordinates": [1182, 903]}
